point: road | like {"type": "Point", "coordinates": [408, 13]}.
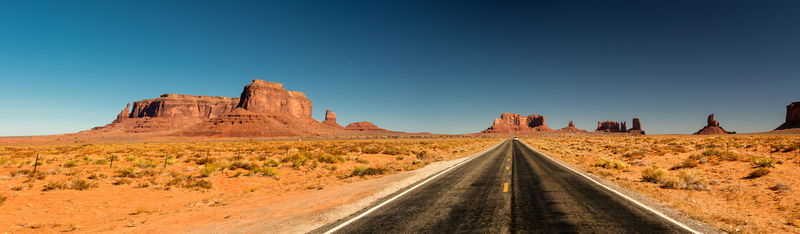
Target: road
{"type": "Point", "coordinates": [510, 189]}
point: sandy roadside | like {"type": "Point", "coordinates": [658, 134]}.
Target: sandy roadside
{"type": "Point", "coordinates": [294, 212]}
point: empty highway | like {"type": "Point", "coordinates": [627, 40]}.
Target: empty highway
{"type": "Point", "coordinates": [510, 189]}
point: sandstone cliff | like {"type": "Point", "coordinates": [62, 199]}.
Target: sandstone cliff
{"type": "Point", "coordinates": [712, 127]}
{"type": "Point", "coordinates": [168, 112]}
{"type": "Point", "coordinates": [265, 109]}
{"type": "Point", "coordinates": [512, 123]}
{"type": "Point", "coordinates": [792, 117]}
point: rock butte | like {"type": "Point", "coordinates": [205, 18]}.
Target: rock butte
{"type": "Point", "coordinates": [570, 128]}
{"type": "Point", "coordinates": [712, 127]}
{"type": "Point", "coordinates": [330, 119]}
{"type": "Point", "coordinates": [514, 123]}
{"type": "Point", "coordinates": [611, 126]}
{"type": "Point", "coordinates": [264, 109]}
{"type": "Point", "coordinates": [792, 117]}
{"type": "Point", "coordinates": [365, 126]}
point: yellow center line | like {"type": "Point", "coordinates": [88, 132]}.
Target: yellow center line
{"type": "Point", "coordinates": [505, 187]}
{"type": "Point", "coordinates": [508, 168]}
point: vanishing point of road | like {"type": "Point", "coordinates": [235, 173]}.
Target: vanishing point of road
{"type": "Point", "coordinates": [509, 189]}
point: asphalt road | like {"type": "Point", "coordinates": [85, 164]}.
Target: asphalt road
{"type": "Point", "coordinates": [510, 189]}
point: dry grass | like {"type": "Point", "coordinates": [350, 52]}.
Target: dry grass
{"type": "Point", "coordinates": [89, 175]}
{"type": "Point", "coordinates": [735, 182]}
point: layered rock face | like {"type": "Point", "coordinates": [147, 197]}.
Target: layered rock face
{"type": "Point", "coordinates": [570, 128]}
{"type": "Point", "coordinates": [330, 119]}
{"type": "Point", "coordinates": [792, 117]}
{"type": "Point", "coordinates": [169, 112]}
{"type": "Point", "coordinates": [712, 127]}
{"type": "Point", "coordinates": [271, 98]}
{"type": "Point", "coordinates": [264, 109]}
{"type": "Point", "coordinates": [511, 123]}
{"type": "Point", "coordinates": [611, 126]}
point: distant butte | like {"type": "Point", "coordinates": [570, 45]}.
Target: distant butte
{"type": "Point", "coordinates": [515, 123]}
{"type": "Point", "coordinates": [792, 117]}
{"type": "Point", "coordinates": [611, 126]}
{"type": "Point", "coordinates": [712, 127]}
{"type": "Point", "coordinates": [570, 128]}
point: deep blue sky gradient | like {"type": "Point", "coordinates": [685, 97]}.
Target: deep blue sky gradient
{"type": "Point", "coordinates": [437, 66]}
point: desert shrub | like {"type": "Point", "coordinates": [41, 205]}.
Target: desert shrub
{"type": "Point", "coordinates": [204, 161]}
{"type": "Point", "coordinates": [712, 152]}
{"type": "Point", "coordinates": [145, 163]}
{"type": "Point", "coordinates": [672, 182]}
{"type": "Point", "coordinates": [71, 163]}
{"type": "Point", "coordinates": [271, 172]}
{"type": "Point", "coordinates": [731, 156]}
{"type": "Point", "coordinates": [328, 158]}
{"type": "Point", "coordinates": [424, 155]}
{"type": "Point", "coordinates": [2, 199]}
{"type": "Point", "coordinates": [271, 163]}
{"type": "Point", "coordinates": [653, 174]}
{"type": "Point", "coordinates": [686, 163]}
{"type": "Point", "coordinates": [611, 164]}
{"type": "Point", "coordinates": [208, 170]}
{"type": "Point", "coordinates": [392, 150]}
{"type": "Point", "coordinates": [372, 150]}
{"type": "Point", "coordinates": [758, 172]}
{"type": "Point", "coordinates": [362, 160]}
{"type": "Point", "coordinates": [365, 171]}
{"type": "Point", "coordinates": [129, 172]}
{"type": "Point", "coordinates": [246, 165]}
{"type": "Point", "coordinates": [636, 154]}
{"type": "Point", "coordinates": [100, 161]}
{"type": "Point", "coordinates": [121, 181]}
{"type": "Point", "coordinates": [21, 172]}
{"type": "Point", "coordinates": [763, 162]}
{"type": "Point", "coordinates": [694, 180]}
{"type": "Point", "coordinates": [3, 161]}
{"type": "Point", "coordinates": [81, 185]}
{"type": "Point", "coordinates": [187, 181]}
{"type": "Point", "coordinates": [53, 185]}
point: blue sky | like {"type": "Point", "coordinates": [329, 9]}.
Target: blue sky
{"type": "Point", "coordinates": [435, 66]}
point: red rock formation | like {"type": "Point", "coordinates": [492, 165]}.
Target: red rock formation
{"type": "Point", "coordinates": [570, 128]}
{"type": "Point", "coordinates": [264, 109]}
{"type": "Point", "coordinates": [511, 122]}
{"type": "Point", "coordinates": [637, 127]}
{"type": "Point", "coordinates": [169, 112]}
{"type": "Point", "coordinates": [608, 126]}
{"type": "Point", "coordinates": [364, 127]}
{"type": "Point", "coordinates": [271, 98]}
{"type": "Point", "coordinates": [792, 117]}
{"type": "Point", "coordinates": [330, 119]}
{"type": "Point", "coordinates": [712, 127]}
{"type": "Point", "coordinates": [611, 126]}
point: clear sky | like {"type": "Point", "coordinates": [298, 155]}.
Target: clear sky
{"type": "Point", "coordinates": [435, 66]}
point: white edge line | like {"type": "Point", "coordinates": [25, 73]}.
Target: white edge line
{"type": "Point", "coordinates": [617, 192]}
{"type": "Point", "coordinates": [409, 190]}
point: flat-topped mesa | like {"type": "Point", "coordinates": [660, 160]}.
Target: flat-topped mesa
{"type": "Point", "coordinates": [271, 98]}
{"type": "Point", "coordinates": [330, 119]}
{"type": "Point", "coordinates": [512, 122]}
{"type": "Point", "coordinates": [712, 127]}
{"type": "Point", "coordinates": [364, 126]}
{"type": "Point", "coordinates": [792, 117]}
{"type": "Point", "coordinates": [183, 106]}
{"type": "Point", "coordinates": [570, 128]}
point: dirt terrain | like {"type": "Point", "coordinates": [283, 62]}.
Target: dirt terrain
{"type": "Point", "coordinates": [183, 185]}
{"type": "Point", "coordinates": [739, 183]}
